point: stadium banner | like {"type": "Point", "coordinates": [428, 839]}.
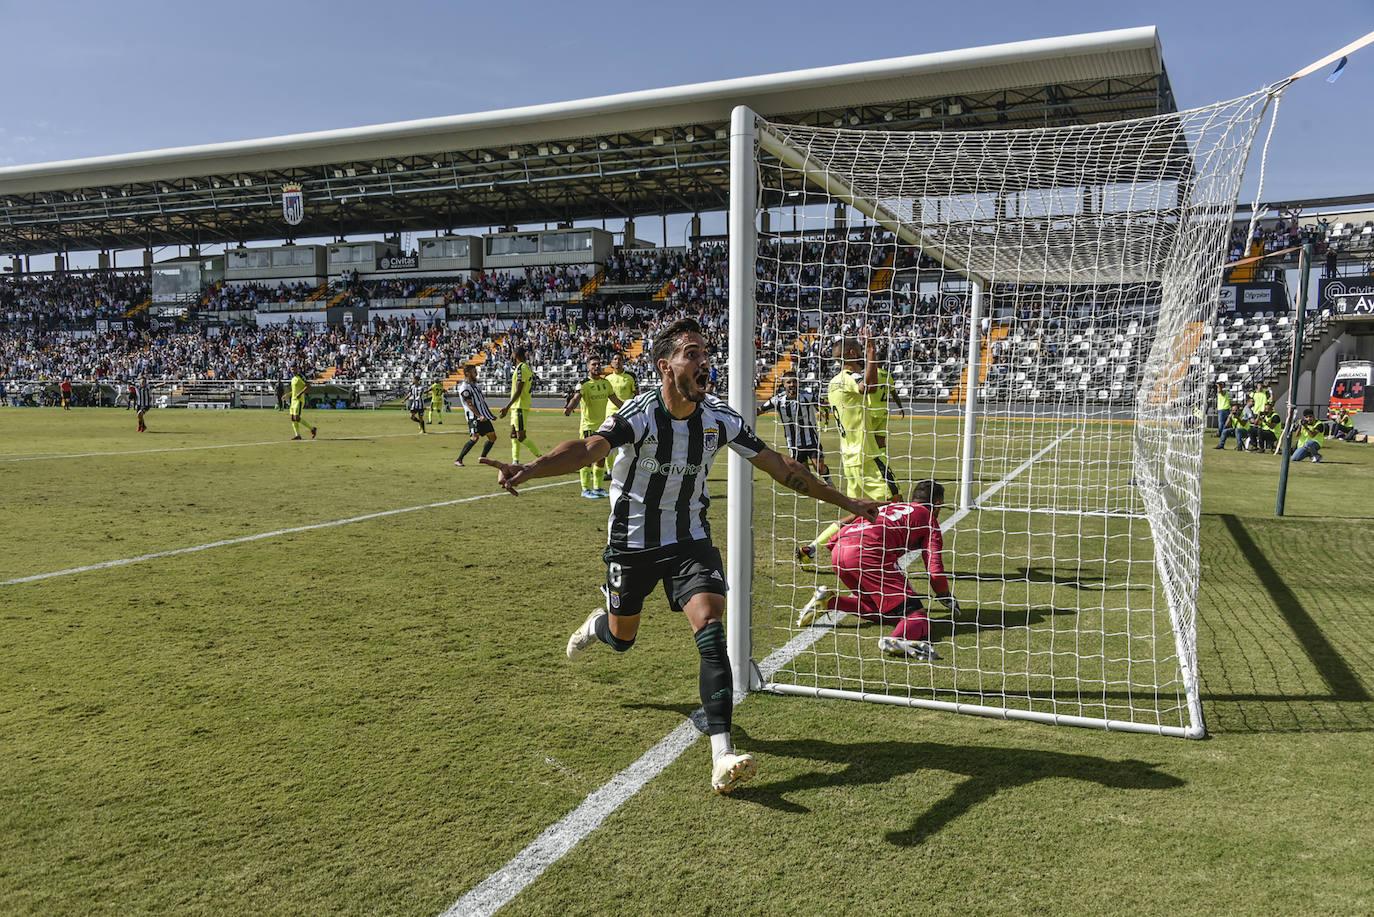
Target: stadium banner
{"type": "Point", "coordinates": [1264, 296]}
{"type": "Point", "coordinates": [1332, 289]}
{"type": "Point", "coordinates": [292, 204]}
{"type": "Point", "coordinates": [398, 263]}
{"type": "Point", "coordinates": [1354, 304]}
{"type": "Point", "coordinates": [423, 316]}
{"type": "Point", "coordinates": [282, 318]}
{"type": "Point", "coordinates": [356, 316]}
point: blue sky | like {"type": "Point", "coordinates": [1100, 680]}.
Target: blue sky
{"type": "Point", "coordinates": [86, 79]}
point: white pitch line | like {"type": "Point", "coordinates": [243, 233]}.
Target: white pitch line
{"type": "Point", "coordinates": [246, 538]}
{"type": "Point", "coordinates": [271, 442]}
{"type": "Point", "coordinates": [498, 889]}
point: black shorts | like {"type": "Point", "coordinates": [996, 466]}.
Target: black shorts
{"type": "Point", "coordinates": [807, 454]}
{"type": "Point", "coordinates": [517, 420]}
{"type": "Point", "coordinates": [480, 427]}
{"type": "Point", "coordinates": [686, 569]}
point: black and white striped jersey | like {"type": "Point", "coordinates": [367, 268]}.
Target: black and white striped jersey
{"type": "Point", "coordinates": [798, 418]}
{"type": "Point", "coordinates": [474, 402]}
{"type": "Point", "coordinates": [660, 465]}
{"type": "Point", "coordinates": [415, 398]}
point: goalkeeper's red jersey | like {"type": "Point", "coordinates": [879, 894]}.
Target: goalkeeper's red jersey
{"type": "Point", "coordinates": [901, 527]}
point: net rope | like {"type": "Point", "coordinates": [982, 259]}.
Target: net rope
{"type": "Point", "coordinates": [1099, 249]}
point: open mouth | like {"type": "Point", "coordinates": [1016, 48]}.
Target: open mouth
{"type": "Point", "coordinates": [703, 379]}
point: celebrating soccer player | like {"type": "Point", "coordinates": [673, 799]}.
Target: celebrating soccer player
{"type": "Point", "coordinates": [865, 555]}
{"type": "Point", "coordinates": [664, 442]}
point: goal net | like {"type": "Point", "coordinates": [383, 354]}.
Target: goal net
{"type": "Point", "coordinates": [1042, 303]}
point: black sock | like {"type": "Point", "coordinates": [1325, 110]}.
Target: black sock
{"type": "Point", "coordinates": [716, 683]}
{"type": "Point", "coordinates": [603, 633]}
{"type": "Point", "coordinates": [467, 449]}
{"type": "Point", "coordinates": [887, 476]}
{"type": "Point", "coordinates": [487, 447]}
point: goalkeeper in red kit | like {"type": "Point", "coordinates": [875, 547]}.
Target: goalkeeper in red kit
{"type": "Point", "coordinates": [865, 555]}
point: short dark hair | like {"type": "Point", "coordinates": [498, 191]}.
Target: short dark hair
{"type": "Point", "coordinates": [928, 492]}
{"type": "Point", "coordinates": [790, 374]}
{"type": "Point", "coordinates": [666, 344]}
{"type": "Point", "coordinates": [519, 351]}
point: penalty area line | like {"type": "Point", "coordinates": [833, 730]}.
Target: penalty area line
{"type": "Point", "coordinates": [498, 889]}
{"type": "Point", "coordinates": [261, 535]}
{"type": "Point", "coordinates": [42, 457]}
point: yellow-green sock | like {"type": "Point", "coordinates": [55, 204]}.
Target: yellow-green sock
{"type": "Point", "coordinates": [824, 537]}
{"type": "Point", "coordinates": [296, 425]}
{"type": "Point", "coordinates": [586, 475]}
{"type": "Point", "coordinates": [598, 477]}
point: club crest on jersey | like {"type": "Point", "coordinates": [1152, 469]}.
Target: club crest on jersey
{"type": "Point", "coordinates": [292, 204]}
{"type": "Point", "coordinates": [710, 439]}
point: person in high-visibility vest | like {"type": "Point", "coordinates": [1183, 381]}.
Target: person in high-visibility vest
{"type": "Point", "coordinates": [1223, 413]}
{"type": "Point", "coordinates": [1310, 439]}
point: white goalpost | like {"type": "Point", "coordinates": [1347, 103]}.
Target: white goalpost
{"type": "Point", "coordinates": [1043, 301]}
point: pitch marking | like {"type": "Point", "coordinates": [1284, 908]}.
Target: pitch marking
{"type": "Point", "coordinates": [246, 538]}
{"type": "Point", "coordinates": [271, 442]}
{"type": "Point", "coordinates": [498, 889]}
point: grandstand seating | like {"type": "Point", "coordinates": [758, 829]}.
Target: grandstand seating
{"type": "Point", "coordinates": [1024, 359]}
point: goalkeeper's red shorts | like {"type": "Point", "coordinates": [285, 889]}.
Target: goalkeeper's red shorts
{"type": "Point", "coordinates": [881, 587]}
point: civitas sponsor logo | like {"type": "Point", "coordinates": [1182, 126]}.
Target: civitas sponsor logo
{"type": "Point", "coordinates": [654, 466]}
{"type": "Point", "coordinates": [1346, 287]}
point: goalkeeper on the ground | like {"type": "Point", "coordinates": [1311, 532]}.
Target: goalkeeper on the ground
{"type": "Point", "coordinates": [848, 394]}
{"type": "Point", "coordinates": [866, 556]}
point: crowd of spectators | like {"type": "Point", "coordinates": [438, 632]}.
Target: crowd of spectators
{"type": "Point", "coordinates": [69, 300]}
{"type": "Point", "coordinates": [809, 292]}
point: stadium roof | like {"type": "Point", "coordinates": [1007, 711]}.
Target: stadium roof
{"type": "Point", "coordinates": [632, 154]}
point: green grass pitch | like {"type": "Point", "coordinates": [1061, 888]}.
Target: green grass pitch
{"type": "Point", "coordinates": [372, 717]}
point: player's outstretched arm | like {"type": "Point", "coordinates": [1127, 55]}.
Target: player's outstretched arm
{"type": "Point", "coordinates": [793, 475]}
{"type": "Point", "coordinates": [565, 458]}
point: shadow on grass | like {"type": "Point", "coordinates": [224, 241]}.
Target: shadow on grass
{"type": "Point", "coordinates": [1335, 671]}
{"type": "Point", "coordinates": [986, 771]}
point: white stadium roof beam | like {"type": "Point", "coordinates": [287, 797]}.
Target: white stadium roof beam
{"type": "Point", "coordinates": [571, 158]}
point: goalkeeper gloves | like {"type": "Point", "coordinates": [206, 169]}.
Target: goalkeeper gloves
{"type": "Point", "coordinates": [950, 602]}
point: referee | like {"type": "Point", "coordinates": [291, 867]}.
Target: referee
{"type": "Point", "coordinates": [664, 442]}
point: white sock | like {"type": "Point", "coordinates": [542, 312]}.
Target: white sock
{"type": "Point", "coordinates": [720, 745]}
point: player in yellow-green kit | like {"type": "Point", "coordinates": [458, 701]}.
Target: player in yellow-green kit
{"type": "Point", "coordinates": [623, 383]}
{"type": "Point", "coordinates": [848, 393]}
{"type": "Point", "coordinates": [298, 389]}
{"type": "Point", "coordinates": [436, 402]}
{"type": "Point", "coordinates": [877, 400]}
{"type": "Point", "coordinates": [591, 397]}
{"type": "Point", "coordinates": [521, 392]}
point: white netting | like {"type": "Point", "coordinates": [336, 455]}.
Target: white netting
{"type": "Point", "coordinates": [1097, 251]}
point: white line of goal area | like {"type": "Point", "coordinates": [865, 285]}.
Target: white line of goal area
{"type": "Point", "coordinates": [498, 889]}
{"type": "Point", "coordinates": [42, 457]}
{"type": "Point", "coordinates": [261, 535]}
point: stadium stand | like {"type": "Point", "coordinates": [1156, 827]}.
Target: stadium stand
{"type": "Point", "coordinates": [1042, 343]}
